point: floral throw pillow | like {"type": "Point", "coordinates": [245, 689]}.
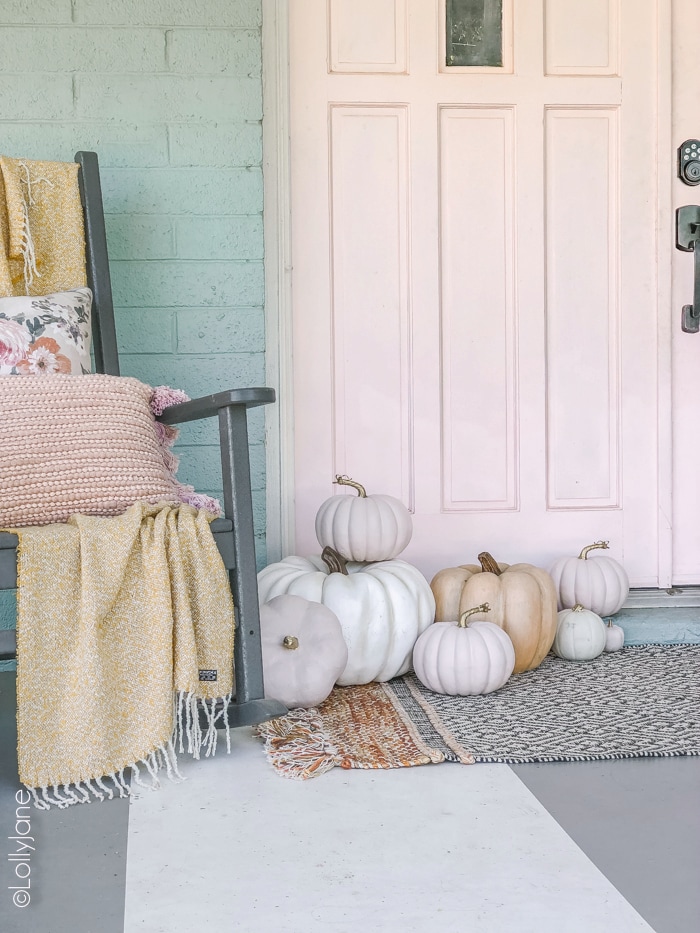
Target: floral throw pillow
{"type": "Point", "coordinates": [46, 335]}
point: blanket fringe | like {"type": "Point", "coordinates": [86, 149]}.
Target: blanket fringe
{"type": "Point", "coordinates": [27, 247]}
{"type": "Point", "coordinates": [187, 736]}
{"type": "Point", "coordinates": [297, 745]}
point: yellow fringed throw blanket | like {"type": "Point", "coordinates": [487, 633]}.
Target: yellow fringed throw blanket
{"type": "Point", "coordinates": [42, 242]}
{"type": "Point", "coordinates": [122, 624]}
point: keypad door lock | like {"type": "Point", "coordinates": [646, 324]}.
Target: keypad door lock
{"type": "Point", "coordinates": [689, 162]}
{"type": "Point", "coordinates": [688, 240]}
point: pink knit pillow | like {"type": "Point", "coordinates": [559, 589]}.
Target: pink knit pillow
{"type": "Point", "coordinates": [79, 444]}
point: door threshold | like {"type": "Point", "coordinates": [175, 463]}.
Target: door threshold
{"type": "Point", "coordinates": [687, 597]}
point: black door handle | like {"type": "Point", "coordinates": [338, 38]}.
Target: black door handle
{"type": "Point", "coordinates": [688, 240]}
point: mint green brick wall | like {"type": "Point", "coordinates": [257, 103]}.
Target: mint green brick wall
{"type": "Point", "coordinates": [169, 94]}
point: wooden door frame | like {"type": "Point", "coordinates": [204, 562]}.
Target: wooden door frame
{"type": "Point", "coordinates": [278, 285]}
{"type": "Point", "coordinates": [279, 418]}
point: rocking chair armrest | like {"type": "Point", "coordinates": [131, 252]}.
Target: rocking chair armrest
{"type": "Point", "coordinates": [210, 405]}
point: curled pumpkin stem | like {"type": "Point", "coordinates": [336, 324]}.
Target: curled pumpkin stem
{"type": "Point", "coordinates": [346, 481]}
{"type": "Point", "coordinates": [488, 564]}
{"type": "Point", "coordinates": [334, 561]}
{"type": "Point", "coordinates": [604, 545]}
{"type": "Point", "coordinates": [463, 619]}
{"type": "Point", "coordinates": [291, 642]}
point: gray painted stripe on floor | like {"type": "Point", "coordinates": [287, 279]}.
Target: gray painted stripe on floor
{"type": "Point", "coordinates": [638, 820]}
{"type": "Point", "coordinates": [78, 872]}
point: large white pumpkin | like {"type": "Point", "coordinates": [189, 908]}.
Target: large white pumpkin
{"type": "Point", "coordinates": [600, 585]}
{"type": "Point", "coordinates": [303, 650]}
{"type": "Point", "coordinates": [362, 527]}
{"type": "Point", "coordinates": [462, 658]}
{"type": "Point", "coordinates": [580, 635]}
{"type": "Point", "coordinates": [382, 608]}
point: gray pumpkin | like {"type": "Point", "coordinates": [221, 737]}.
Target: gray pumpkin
{"type": "Point", "coordinates": [303, 650]}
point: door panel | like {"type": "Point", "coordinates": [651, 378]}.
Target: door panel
{"type": "Point", "coordinates": [475, 320]}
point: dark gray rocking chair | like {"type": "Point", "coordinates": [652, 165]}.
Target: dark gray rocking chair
{"type": "Point", "coordinates": [234, 532]}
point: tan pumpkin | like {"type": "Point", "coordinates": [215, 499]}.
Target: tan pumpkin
{"type": "Point", "coordinates": [522, 598]}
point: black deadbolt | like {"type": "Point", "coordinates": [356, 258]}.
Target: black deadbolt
{"type": "Point", "coordinates": [689, 162]}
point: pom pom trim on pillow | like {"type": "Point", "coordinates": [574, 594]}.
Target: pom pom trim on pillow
{"type": "Point", "coordinates": [85, 445]}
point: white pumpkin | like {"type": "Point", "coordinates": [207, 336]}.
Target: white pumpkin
{"type": "Point", "coordinates": [362, 527]}
{"type": "Point", "coordinates": [614, 636]}
{"type": "Point", "coordinates": [464, 658]}
{"type": "Point", "coordinates": [580, 635]}
{"type": "Point", "coordinates": [600, 585]}
{"type": "Point", "coordinates": [303, 650]}
{"type": "Point", "coordinates": [382, 607]}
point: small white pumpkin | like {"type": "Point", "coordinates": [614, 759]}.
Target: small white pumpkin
{"type": "Point", "coordinates": [600, 585]}
{"type": "Point", "coordinates": [362, 527]}
{"type": "Point", "coordinates": [614, 636]}
{"type": "Point", "coordinates": [382, 607]}
{"type": "Point", "coordinates": [464, 658]}
{"type": "Point", "coordinates": [303, 650]}
{"type": "Point", "coordinates": [580, 635]}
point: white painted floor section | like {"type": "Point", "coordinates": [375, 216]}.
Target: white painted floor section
{"type": "Point", "coordinates": [448, 848]}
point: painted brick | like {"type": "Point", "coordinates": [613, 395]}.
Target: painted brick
{"type": "Point", "coordinates": [117, 144]}
{"type": "Point", "coordinates": [135, 236]}
{"type": "Point", "coordinates": [207, 432]}
{"type": "Point", "coordinates": [214, 51]}
{"type": "Point", "coordinates": [238, 237]}
{"type": "Point", "coordinates": [152, 331]}
{"type": "Point", "coordinates": [260, 553]}
{"type": "Point", "coordinates": [201, 466]}
{"type": "Point", "coordinates": [237, 13]}
{"type": "Point", "coordinates": [35, 97]}
{"type": "Point", "coordinates": [79, 49]}
{"type": "Point", "coordinates": [256, 418]}
{"type": "Point", "coordinates": [168, 93]}
{"type": "Point", "coordinates": [220, 330]}
{"type": "Point", "coordinates": [36, 11]}
{"type": "Point", "coordinates": [194, 433]}
{"type": "Point", "coordinates": [225, 145]}
{"type": "Point", "coordinates": [196, 375]}
{"type": "Point", "coordinates": [158, 98]}
{"type": "Point", "coordinates": [183, 191]}
{"type": "Point", "coordinates": [187, 284]}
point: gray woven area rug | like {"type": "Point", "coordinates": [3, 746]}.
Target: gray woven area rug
{"type": "Point", "coordinates": [638, 702]}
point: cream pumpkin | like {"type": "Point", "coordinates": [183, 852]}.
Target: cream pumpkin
{"type": "Point", "coordinates": [600, 585]}
{"type": "Point", "coordinates": [522, 598]}
{"type": "Point", "coordinates": [464, 658]}
{"type": "Point", "coordinates": [382, 608]}
{"type": "Point", "coordinates": [580, 635]}
{"type": "Point", "coordinates": [362, 527]}
{"type": "Point", "coordinates": [614, 636]}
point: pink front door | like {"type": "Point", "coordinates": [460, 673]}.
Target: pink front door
{"type": "Point", "coordinates": [475, 275]}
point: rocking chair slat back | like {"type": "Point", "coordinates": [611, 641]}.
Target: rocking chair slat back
{"type": "Point", "coordinates": [104, 334]}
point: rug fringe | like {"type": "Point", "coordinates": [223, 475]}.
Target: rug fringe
{"type": "Point", "coordinates": [297, 745]}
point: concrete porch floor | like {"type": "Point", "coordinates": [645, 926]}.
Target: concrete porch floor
{"type": "Point", "coordinates": [572, 848]}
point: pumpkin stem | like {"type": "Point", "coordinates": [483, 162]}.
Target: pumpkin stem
{"type": "Point", "coordinates": [291, 642]}
{"type": "Point", "coordinates": [577, 608]}
{"type": "Point", "coordinates": [592, 547]}
{"type": "Point", "coordinates": [333, 560]}
{"type": "Point", "coordinates": [484, 607]}
{"type": "Point", "coordinates": [488, 564]}
{"type": "Point", "coordinates": [346, 481]}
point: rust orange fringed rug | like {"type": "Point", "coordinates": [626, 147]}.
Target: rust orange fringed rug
{"type": "Point", "coordinates": [638, 702]}
{"type": "Point", "coordinates": [356, 727]}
